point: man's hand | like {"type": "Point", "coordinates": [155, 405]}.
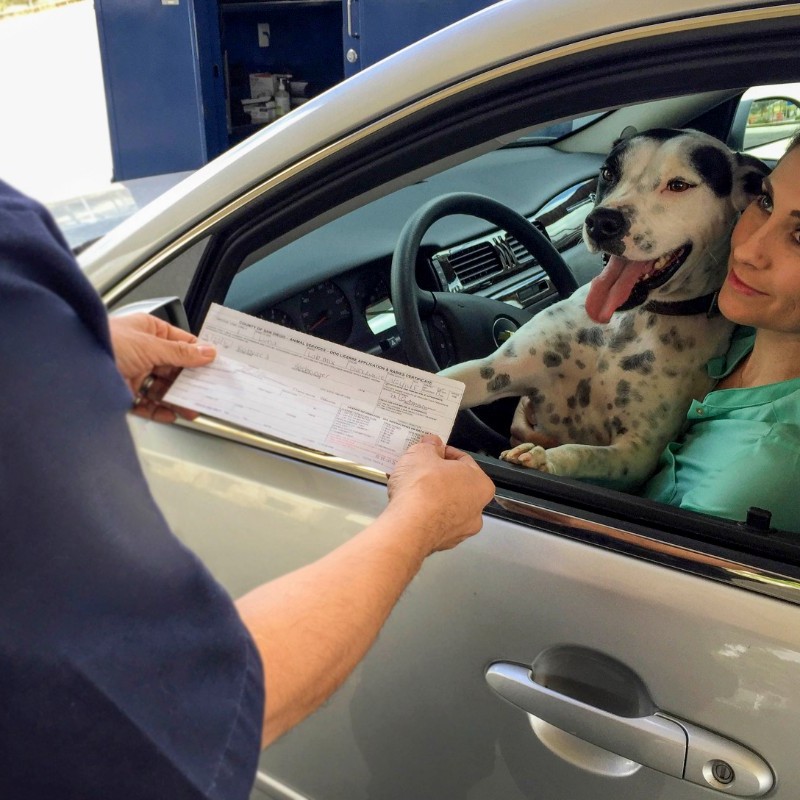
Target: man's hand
{"type": "Point", "coordinates": [440, 491]}
{"type": "Point", "coordinates": [149, 354]}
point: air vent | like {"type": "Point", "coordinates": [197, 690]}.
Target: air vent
{"type": "Point", "coordinates": [521, 253]}
{"type": "Point", "coordinates": [475, 263]}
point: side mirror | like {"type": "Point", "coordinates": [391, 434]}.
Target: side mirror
{"type": "Point", "coordinates": [771, 122]}
{"type": "Point", "coordinates": [170, 309]}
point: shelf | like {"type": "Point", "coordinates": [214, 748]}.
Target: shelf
{"type": "Point", "coordinates": [266, 4]}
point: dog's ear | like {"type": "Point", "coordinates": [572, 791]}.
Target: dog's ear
{"type": "Point", "coordinates": [748, 173]}
{"type": "Point", "coordinates": [627, 133]}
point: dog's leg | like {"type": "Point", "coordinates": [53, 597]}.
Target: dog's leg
{"type": "Point", "coordinates": [501, 374]}
{"type": "Point", "coordinates": [627, 462]}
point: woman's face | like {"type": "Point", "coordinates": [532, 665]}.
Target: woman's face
{"type": "Point", "coordinates": [762, 288]}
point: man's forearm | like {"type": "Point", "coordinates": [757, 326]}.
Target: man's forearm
{"type": "Point", "coordinates": [314, 625]}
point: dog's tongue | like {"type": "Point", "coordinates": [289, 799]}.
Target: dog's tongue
{"type": "Point", "coordinates": [612, 287]}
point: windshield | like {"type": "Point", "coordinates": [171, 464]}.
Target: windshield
{"type": "Point", "coordinates": [558, 130]}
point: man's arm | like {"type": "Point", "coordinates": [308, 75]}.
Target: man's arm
{"type": "Point", "coordinates": [314, 625]}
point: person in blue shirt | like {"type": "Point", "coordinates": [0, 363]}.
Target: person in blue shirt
{"type": "Point", "coordinates": [126, 671]}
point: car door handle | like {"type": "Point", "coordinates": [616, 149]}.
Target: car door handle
{"type": "Point", "coordinates": [659, 741]}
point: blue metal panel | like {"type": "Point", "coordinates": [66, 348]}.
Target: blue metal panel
{"type": "Point", "coordinates": [154, 84]}
{"type": "Point", "coordinates": [164, 74]}
{"type": "Point", "coordinates": [376, 28]}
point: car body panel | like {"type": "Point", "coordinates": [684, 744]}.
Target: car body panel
{"type": "Point", "coordinates": [508, 594]}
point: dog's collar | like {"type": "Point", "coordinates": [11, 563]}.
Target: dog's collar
{"type": "Point", "coordinates": [707, 304]}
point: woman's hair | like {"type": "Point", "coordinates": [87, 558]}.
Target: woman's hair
{"type": "Point", "coordinates": [793, 142]}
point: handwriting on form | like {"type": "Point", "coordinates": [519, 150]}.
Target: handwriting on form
{"type": "Point", "coordinates": [314, 393]}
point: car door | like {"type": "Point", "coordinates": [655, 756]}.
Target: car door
{"type": "Point", "coordinates": [693, 633]}
{"type": "Point", "coordinates": [586, 644]}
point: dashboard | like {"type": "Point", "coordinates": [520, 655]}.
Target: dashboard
{"type": "Point", "coordinates": [334, 282]}
{"type": "Point", "coordinates": [348, 308]}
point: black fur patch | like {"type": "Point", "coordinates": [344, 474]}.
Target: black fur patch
{"type": "Point", "coordinates": [536, 397]}
{"type": "Point", "coordinates": [623, 394]}
{"type": "Point", "coordinates": [584, 392]}
{"type": "Point", "coordinates": [662, 134]}
{"type": "Point", "coordinates": [487, 372]}
{"type": "Point", "coordinates": [563, 348]}
{"type": "Point", "coordinates": [643, 241]}
{"type": "Point", "coordinates": [614, 426]}
{"type": "Point", "coordinates": [753, 178]}
{"type": "Point", "coordinates": [715, 168]}
{"type": "Point", "coordinates": [594, 337]}
{"type": "Point", "coordinates": [499, 382]}
{"type": "Point", "coordinates": [551, 359]}
{"type": "Point", "coordinates": [624, 335]}
{"type": "Point", "coordinates": [640, 362]}
{"type": "Point", "coordinates": [672, 338]}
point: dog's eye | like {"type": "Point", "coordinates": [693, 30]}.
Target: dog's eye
{"type": "Point", "coordinates": [606, 173]}
{"type": "Point", "coordinates": [679, 185]}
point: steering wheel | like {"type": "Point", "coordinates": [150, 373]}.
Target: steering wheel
{"type": "Point", "coordinates": [472, 325]}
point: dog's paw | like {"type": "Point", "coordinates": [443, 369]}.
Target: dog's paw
{"type": "Point", "coordinates": [527, 455]}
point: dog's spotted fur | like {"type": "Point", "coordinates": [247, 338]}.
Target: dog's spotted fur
{"type": "Point", "coordinates": [613, 369]}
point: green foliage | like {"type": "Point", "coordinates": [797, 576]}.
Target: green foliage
{"type": "Point", "coordinates": [13, 8]}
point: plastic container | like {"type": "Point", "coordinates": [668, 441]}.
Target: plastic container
{"type": "Point", "coordinates": [283, 103]}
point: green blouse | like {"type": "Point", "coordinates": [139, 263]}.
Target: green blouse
{"type": "Point", "coordinates": [738, 448]}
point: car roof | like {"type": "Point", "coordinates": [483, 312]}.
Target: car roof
{"type": "Point", "coordinates": [497, 35]}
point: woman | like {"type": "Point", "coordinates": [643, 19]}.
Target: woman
{"type": "Point", "coordinates": [740, 446]}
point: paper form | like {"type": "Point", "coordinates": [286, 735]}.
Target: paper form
{"type": "Point", "coordinates": [304, 390]}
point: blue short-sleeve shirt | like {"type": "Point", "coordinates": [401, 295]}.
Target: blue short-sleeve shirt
{"type": "Point", "coordinates": [125, 671]}
{"type": "Point", "coordinates": [739, 448]}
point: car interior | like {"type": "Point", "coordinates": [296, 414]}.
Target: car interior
{"type": "Point", "coordinates": [322, 256]}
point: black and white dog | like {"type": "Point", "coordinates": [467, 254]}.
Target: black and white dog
{"type": "Point", "coordinates": [612, 370]}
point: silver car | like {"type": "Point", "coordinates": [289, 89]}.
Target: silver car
{"type": "Point", "coordinates": [588, 644]}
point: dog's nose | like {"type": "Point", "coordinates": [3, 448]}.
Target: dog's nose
{"type": "Point", "coordinates": [603, 224]}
